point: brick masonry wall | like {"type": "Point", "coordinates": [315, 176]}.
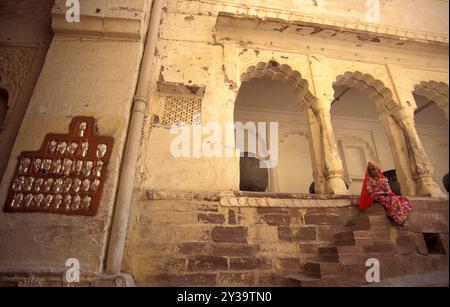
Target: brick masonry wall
{"type": "Point", "coordinates": [200, 243]}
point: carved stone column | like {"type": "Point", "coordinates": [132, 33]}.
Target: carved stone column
{"type": "Point", "coordinates": [316, 152]}
{"type": "Point", "coordinates": [421, 168]}
{"type": "Point", "coordinates": [399, 153]}
{"type": "Point", "coordinates": [331, 160]}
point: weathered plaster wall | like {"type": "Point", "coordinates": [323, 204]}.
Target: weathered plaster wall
{"type": "Point", "coordinates": [185, 242]}
{"type": "Point", "coordinates": [93, 76]}
{"type": "Point", "coordinates": [215, 55]}
{"type": "Point", "coordinates": [92, 68]}
{"type": "Point", "coordinates": [423, 15]}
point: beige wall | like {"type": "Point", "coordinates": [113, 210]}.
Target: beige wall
{"type": "Point", "coordinates": [94, 76]}
{"type": "Point", "coordinates": [422, 15]}
{"type": "Point", "coordinates": [215, 56]}
{"type": "Point", "coordinates": [92, 67]}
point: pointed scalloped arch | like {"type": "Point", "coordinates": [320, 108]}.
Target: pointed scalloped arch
{"type": "Point", "coordinates": [433, 91]}
{"type": "Point", "coordinates": [285, 73]}
{"type": "Point", "coordinates": [373, 88]}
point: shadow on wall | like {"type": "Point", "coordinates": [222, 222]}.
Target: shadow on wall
{"type": "Point", "coordinates": [3, 107]}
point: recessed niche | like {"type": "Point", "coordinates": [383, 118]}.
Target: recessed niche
{"type": "Point", "coordinates": [434, 243]}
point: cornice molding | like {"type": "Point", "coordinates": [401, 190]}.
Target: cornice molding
{"type": "Point", "coordinates": [258, 199]}
{"type": "Point", "coordinates": [344, 24]}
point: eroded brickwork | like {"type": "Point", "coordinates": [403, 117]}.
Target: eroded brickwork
{"type": "Point", "coordinates": [193, 243]}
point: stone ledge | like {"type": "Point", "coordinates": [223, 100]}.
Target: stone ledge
{"type": "Point", "coordinates": [57, 280]}
{"type": "Point", "coordinates": [285, 203]}
{"type": "Point", "coordinates": [257, 199]}
{"type": "Point", "coordinates": [236, 10]}
{"type": "Point", "coordinates": [268, 199]}
{"type": "Point", "coordinates": [104, 20]}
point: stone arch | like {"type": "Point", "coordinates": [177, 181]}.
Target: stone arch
{"type": "Point", "coordinates": [285, 73]}
{"type": "Point", "coordinates": [436, 92]}
{"type": "Point", "coordinates": [290, 79]}
{"type": "Point", "coordinates": [385, 102]}
{"type": "Point", "coordinates": [373, 88]}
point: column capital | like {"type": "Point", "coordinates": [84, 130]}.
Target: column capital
{"type": "Point", "coordinates": [403, 113]}
{"type": "Point", "coordinates": [320, 105]}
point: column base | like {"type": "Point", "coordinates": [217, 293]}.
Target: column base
{"type": "Point", "coordinates": [336, 185]}
{"type": "Point", "coordinates": [426, 187]}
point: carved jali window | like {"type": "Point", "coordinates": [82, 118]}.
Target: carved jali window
{"type": "Point", "coordinates": [181, 109]}
{"type": "Point", "coordinates": [65, 176]}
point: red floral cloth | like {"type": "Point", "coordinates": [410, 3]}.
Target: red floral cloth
{"type": "Point", "coordinates": [376, 189]}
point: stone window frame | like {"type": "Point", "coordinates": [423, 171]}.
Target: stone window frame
{"type": "Point", "coordinates": [178, 91]}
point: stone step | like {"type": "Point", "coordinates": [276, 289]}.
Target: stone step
{"type": "Point", "coordinates": [375, 209]}
{"type": "Point", "coordinates": [354, 273]}
{"type": "Point", "coordinates": [351, 255]}
{"type": "Point", "coordinates": [360, 222]}
{"type": "Point", "coordinates": [433, 279]}
{"type": "Point", "coordinates": [322, 269]}
{"type": "Point", "coordinates": [330, 281]}
{"type": "Point", "coordinates": [328, 254]}
{"type": "Point", "coordinates": [377, 246]}
{"type": "Point", "coordinates": [373, 234]}
{"type": "Point", "coordinates": [346, 238]}
{"type": "Point", "coordinates": [380, 222]}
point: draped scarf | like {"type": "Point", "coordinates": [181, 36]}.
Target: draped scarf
{"type": "Point", "coordinates": [376, 189]}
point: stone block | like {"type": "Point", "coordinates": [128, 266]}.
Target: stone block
{"type": "Point", "coordinates": [250, 263]}
{"type": "Point", "coordinates": [229, 234]}
{"type": "Point", "coordinates": [322, 219]}
{"type": "Point", "coordinates": [234, 250]}
{"type": "Point", "coordinates": [236, 279]}
{"type": "Point", "coordinates": [211, 218]}
{"type": "Point", "coordinates": [207, 263]}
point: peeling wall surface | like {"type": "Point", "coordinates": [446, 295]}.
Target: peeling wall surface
{"type": "Point", "coordinates": [343, 79]}
{"type": "Point", "coordinates": [82, 76]}
{"type": "Point", "coordinates": [214, 51]}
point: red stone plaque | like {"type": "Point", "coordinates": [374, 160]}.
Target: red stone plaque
{"type": "Point", "coordinates": [65, 176]}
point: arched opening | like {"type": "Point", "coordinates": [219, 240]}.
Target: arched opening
{"type": "Point", "coordinates": [268, 97]}
{"type": "Point", "coordinates": [3, 107]}
{"type": "Point", "coordinates": [432, 126]}
{"type": "Point", "coordinates": [359, 133]}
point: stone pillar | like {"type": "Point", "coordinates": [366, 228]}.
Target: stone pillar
{"type": "Point", "coordinates": [331, 160]}
{"type": "Point", "coordinates": [421, 168]}
{"type": "Point", "coordinates": [399, 153]}
{"type": "Point", "coordinates": [316, 152]}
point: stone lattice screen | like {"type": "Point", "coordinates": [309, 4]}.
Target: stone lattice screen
{"type": "Point", "coordinates": [181, 109]}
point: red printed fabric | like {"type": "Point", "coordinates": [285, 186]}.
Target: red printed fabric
{"type": "Point", "coordinates": [365, 200]}
{"type": "Point", "coordinates": [376, 189]}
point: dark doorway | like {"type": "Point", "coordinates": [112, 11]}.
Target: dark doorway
{"type": "Point", "coordinates": [252, 177]}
